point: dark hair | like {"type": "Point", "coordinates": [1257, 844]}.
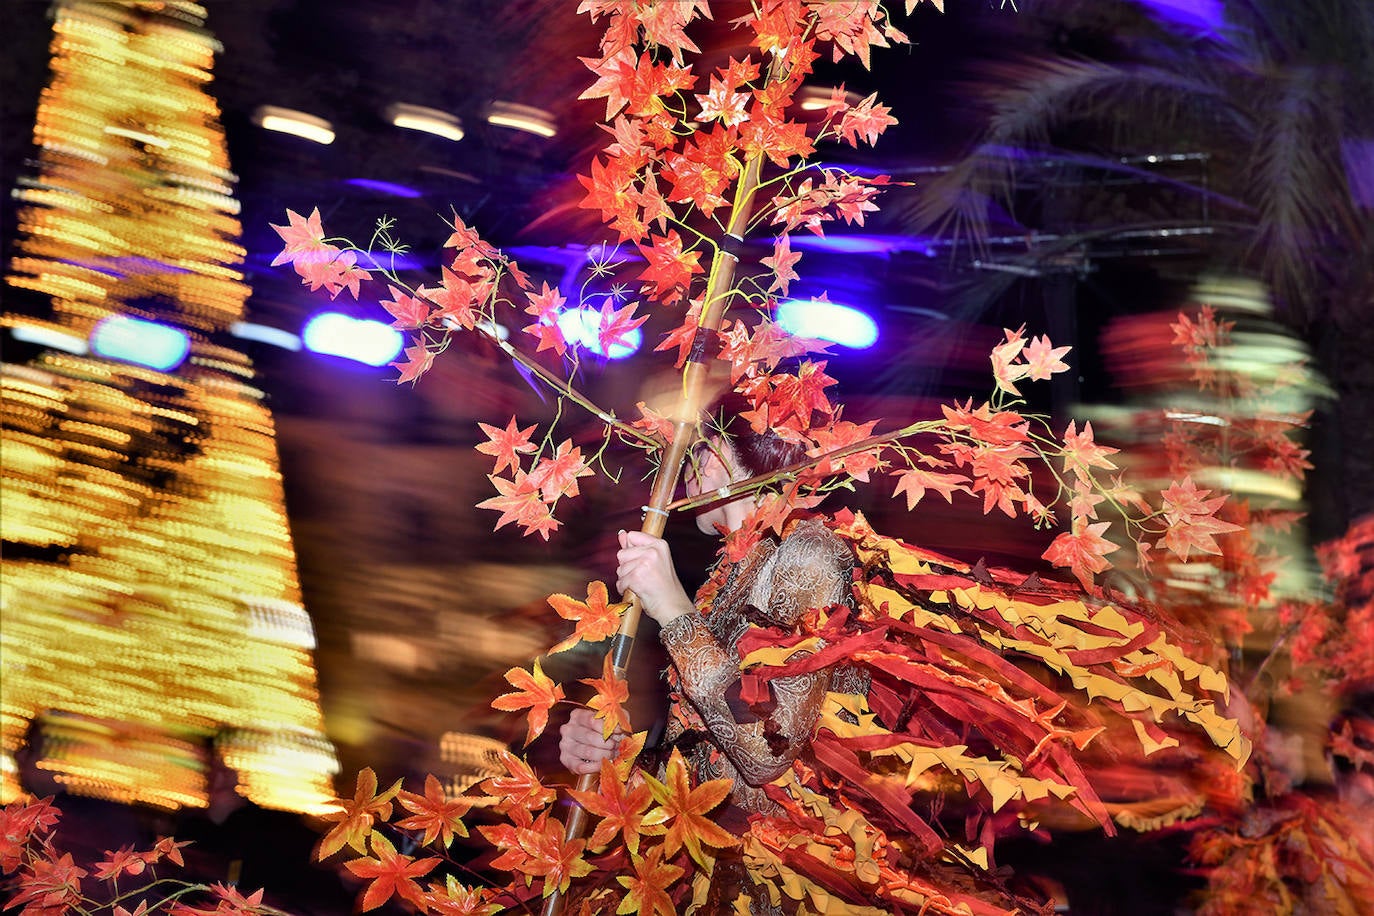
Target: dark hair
{"type": "Point", "coordinates": [756, 453]}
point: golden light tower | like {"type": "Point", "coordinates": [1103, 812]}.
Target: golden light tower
{"type": "Point", "coordinates": [149, 601]}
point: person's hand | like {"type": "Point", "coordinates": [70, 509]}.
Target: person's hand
{"type": "Point", "coordinates": [645, 567]}
{"type": "Point", "coordinates": [580, 745]}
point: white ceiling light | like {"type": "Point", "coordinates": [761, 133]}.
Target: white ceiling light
{"type": "Point", "coordinates": [426, 120]}
{"type": "Point", "coordinates": [296, 123]}
{"type": "Point", "coordinates": [521, 117]}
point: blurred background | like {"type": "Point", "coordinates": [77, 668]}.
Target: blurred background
{"type": "Point", "coordinates": [269, 555]}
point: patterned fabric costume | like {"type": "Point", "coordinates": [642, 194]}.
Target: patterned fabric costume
{"type": "Point", "coordinates": [719, 734]}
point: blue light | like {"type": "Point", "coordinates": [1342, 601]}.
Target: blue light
{"type": "Point", "coordinates": [147, 343]}
{"type": "Point", "coordinates": [361, 340]}
{"type": "Point", "coordinates": [580, 326]}
{"type": "Point", "coordinates": [830, 321]}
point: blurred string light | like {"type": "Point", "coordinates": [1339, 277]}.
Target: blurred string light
{"type": "Point", "coordinates": [359, 339]}
{"type": "Point", "coordinates": [525, 118]}
{"type": "Point", "coordinates": [425, 120]}
{"type": "Point", "coordinates": [296, 123]}
{"type": "Point", "coordinates": [151, 603]}
{"type": "Point", "coordinates": [830, 321]}
{"type": "Point", "coordinates": [133, 340]}
{"type": "Point", "coordinates": [582, 326]}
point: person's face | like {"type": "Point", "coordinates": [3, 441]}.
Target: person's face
{"type": "Point", "coordinates": [705, 473]}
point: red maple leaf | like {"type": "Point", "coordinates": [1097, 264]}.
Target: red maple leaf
{"type": "Point", "coordinates": [1044, 359]}
{"type": "Point", "coordinates": [439, 816]}
{"type": "Point", "coordinates": [456, 298]}
{"type": "Point", "coordinates": [915, 482]}
{"type": "Point", "coordinates": [608, 702]}
{"type": "Point", "coordinates": [556, 476]}
{"type": "Point", "coordinates": [682, 337]}
{"type": "Point", "coordinates": [1002, 428]}
{"type": "Point", "coordinates": [866, 119]}
{"type": "Point", "coordinates": [549, 334]}
{"type": "Point", "coordinates": [546, 304]}
{"type": "Point", "coordinates": [670, 268]}
{"type": "Point", "coordinates": [614, 328]}
{"type": "Point", "coordinates": [518, 499]}
{"type": "Point", "coordinates": [838, 435]}
{"type": "Point", "coordinates": [409, 311]}
{"type": "Point", "coordinates": [616, 76]}
{"type": "Point", "coordinates": [506, 444]}
{"type": "Point", "coordinates": [417, 362]}
{"type": "Point", "coordinates": [722, 103]}
{"type": "Point", "coordinates": [799, 396]}
{"type": "Point", "coordinates": [1082, 454]}
{"type": "Point", "coordinates": [596, 618]}
{"type": "Point", "coordinates": [1082, 549]}
{"type": "Point", "coordinates": [534, 691]}
{"type": "Point", "coordinates": [655, 422]}
{"type": "Point", "coordinates": [300, 234]}
{"type": "Point", "coordinates": [392, 873]}
{"type": "Point", "coordinates": [610, 189]}
{"type": "Point", "coordinates": [125, 860]}
{"type": "Point", "coordinates": [1191, 520]}
{"type": "Point", "coordinates": [780, 263]}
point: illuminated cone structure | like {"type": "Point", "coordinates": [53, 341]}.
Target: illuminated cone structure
{"type": "Point", "coordinates": [151, 604]}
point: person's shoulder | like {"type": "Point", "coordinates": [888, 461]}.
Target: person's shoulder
{"type": "Point", "coordinates": [811, 540]}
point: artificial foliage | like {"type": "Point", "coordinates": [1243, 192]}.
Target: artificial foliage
{"type": "Point", "coordinates": [1000, 704]}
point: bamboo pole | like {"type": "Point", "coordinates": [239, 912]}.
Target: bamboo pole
{"type": "Point", "coordinates": [719, 286]}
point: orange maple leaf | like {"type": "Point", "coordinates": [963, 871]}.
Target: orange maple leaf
{"type": "Point", "coordinates": [539, 849]}
{"type": "Point", "coordinates": [454, 899]}
{"type": "Point", "coordinates": [611, 695]}
{"type": "Point", "coordinates": [534, 691]}
{"type": "Point", "coordinates": [596, 618]}
{"type": "Point", "coordinates": [392, 873]}
{"type": "Point", "coordinates": [647, 896]}
{"type": "Point", "coordinates": [1082, 549]}
{"type": "Point", "coordinates": [620, 803]}
{"type": "Point", "coordinates": [357, 815]}
{"type": "Point", "coordinates": [683, 810]}
{"type": "Point", "coordinates": [519, 792]}
{"type": "Point", "coordinates": [436, 814]}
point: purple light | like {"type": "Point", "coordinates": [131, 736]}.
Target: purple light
{"type": "Point", "coordinates": [1201, 15]}
{"type": "Point", "coordinates": [384, 187]}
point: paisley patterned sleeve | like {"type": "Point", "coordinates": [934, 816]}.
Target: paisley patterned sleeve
{"type": "Point", "coordinates": [810, 569]}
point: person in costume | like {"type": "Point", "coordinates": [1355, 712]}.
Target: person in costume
{"type": "Point", "coordinates": [718, 733]}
